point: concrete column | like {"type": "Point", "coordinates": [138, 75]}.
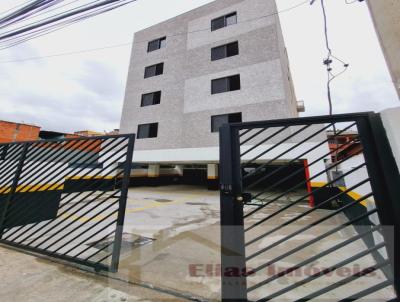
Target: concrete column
{"type": "Point", "coordinates": [153, 171]}
{"type": "Point", "coordinates": [212, 177]}
{"type": "Point", "coordinates": [391, 122]}
{"type": "Point", "coordinates": [179, 169]}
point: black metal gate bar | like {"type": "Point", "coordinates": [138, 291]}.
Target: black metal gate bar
{"type": "Point", "coordinates": [121, 211]}
{"type": "Point", "coordinates": [80, 187]}
{"type": "Point", "coordinates": [386, 183]}
{"type": "Point", "coordinates": [258, 158]}
{"type": "Point", "coordinates": [232, 228]}
{"type": "Point", "coordinates": [62, 198]}
{"type": "Point", "coordinates": [58, 178]}
{"type": "Point", "coordinates": [43, 186]}
{"type": "Point", "coordinates": [13, 188]}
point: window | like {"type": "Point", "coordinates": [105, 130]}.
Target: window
{"type": "Point", "coordinates": [154, 70]}
{"type": "Point", "coordinates": [156, 44]}
{"type": "Point", "coordinates": [225, 84]}
{"type": "Point", "coordinates": [224, 51]}
{"type": "Point", "coordinates": [218, 120]}
{"type": "Point", "coordinates": [223, 21]}
{"type": "Point", "coordinates": [152, 98]}
{"type": "Point", "coordinates": [147, 130]}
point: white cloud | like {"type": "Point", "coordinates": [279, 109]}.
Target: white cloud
{"type": "Point", "coordinates": [85, 91]}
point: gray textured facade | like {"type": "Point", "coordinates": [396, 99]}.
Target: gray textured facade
{"type": "Point", "coordinates": [187, 104]}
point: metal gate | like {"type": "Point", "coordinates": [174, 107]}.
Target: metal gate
{"type": "Point", "coordinates": [66, 198]}
{"type": "Point", "coordinates": [310, 210]}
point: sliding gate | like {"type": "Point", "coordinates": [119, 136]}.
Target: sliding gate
{"type": "Point", "coordinates": [66, 198]}
{"type": "Point", "coordinates": [310, 210]}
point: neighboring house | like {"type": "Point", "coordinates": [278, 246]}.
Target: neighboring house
{"type": "Point", "coordinates": [17, 132]}
{"type": "Point", "coordinates": [223, 62]}
{"type": "Point", "coordinates": [386, 17]}
{"type": "Point", "coordinates": [344, 145]}
{"type": "Point", "coordinates": [92, 146]}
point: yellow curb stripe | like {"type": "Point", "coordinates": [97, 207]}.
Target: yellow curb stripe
{"type": "Point", "coordinates": [352, 194]}
{"type": "Point", "coordinates": [88, 177]}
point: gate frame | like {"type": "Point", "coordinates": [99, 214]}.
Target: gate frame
{"type": "Point", "coordinates": [381, 167]}
{"type": "Point", "coordinates": [113, 267]}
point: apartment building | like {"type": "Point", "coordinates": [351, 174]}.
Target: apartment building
{"type": "Point", "coordinates": [223, 62]}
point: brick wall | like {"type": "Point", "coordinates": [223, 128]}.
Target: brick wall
{"type": "Point", "coordinates": [13, 132]}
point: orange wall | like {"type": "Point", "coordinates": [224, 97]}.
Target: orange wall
{"type": "Point", "coordinates": [13, 132]}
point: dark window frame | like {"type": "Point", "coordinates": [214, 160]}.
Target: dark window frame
{"type": "Point", "coordinates": [158, 70]}
{"type": "Point", "coordinates": [222, 21]}
{"type": "Point", "coordinates": [229, 82]}
{"type": "Point", "coordinates": [231, 118]}
{"type": "Point", "coordinates": [227, 50]}
{"type": "Point", "coordinates": [151, 133]}
{"type": "Point", "coordinates": [159, 42]}
{"type": "Point", "coordinates": [156, 98]}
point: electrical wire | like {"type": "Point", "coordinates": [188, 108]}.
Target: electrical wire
{"type": "Point", "coordinates": [51, 28]}
{"type": "Point", "coordinates": [11, 43]}
{"type": "Point", "coordinates": [61, 16]}
{"type": "Point", "coordinates": [241, 22]}
{"type": "Point", "coordinates": [68, 53]}
{"type": "Point", "coordinates": [58, 14]}
{"type": "Point", "coordinates": [331, 76]}
{"type": "Point", "coordinates": [48, 11]}
{"type": "Point", "coordinates": [13, 8]}
{"type": "Point", "coordinates": [351, 2]}
{"type": "Point", "coordinates": [328, 61]}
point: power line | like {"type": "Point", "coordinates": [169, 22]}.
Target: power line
{"type": "Point", "coordinates": [13, 8]}
{"type": "Point", "coordinates": [241, 22]}
{"type": "Point", "coordinates": [67, 53]}
{"type": "Point", "coordinates": [328, 62]}
{"type": "Point", "coordinates": [329, 59]}
{"type": "Point", "coordinates": [353, 1]}
{"type": "Point", "coordinates": [51, 23]}
{"type": "Point", "coordinates": [55, 18]}
{"type": "Point", "coordinates": [16, 42]}
{"type": "Point", "coordinates": [24, 37]}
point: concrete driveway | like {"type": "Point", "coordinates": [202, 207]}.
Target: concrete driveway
{"type": "Point", "coordinates": [178, 235]}
{"type": "Point", "coordinates": [171, 243]}
{"type": "Point", "coordinates": [179, 228]}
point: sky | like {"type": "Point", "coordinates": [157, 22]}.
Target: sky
{"type": "Point", "coordinates": [85, 91]}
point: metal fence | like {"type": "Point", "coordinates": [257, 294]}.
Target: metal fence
{"type": "Point", "coordinates": [309, 210]}
{"type": "Point", "coordinates": [66, 198]}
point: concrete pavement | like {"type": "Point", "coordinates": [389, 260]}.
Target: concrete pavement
{"type": "Point", "coordinates": [27, 278]}
{"type": "Point", "coordinates": [171, 242]}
